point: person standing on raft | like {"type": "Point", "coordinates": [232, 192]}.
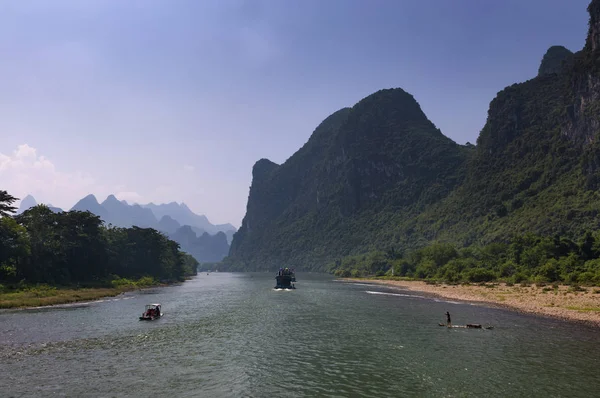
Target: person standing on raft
{"type": "Point", "coordinates": [448, 320]}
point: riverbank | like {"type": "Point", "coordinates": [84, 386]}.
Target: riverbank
{"type": "Point", "coordinates": [563, 302]}
{"type": "Point", "coordinates": [45, 295]}
{"type": "Point", "coordinates": [36, 297]}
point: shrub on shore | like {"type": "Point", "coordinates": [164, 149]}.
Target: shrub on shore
{"type": "Point", "coordinates": [523, 260]}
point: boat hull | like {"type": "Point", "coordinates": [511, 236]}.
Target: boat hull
{"type": "Point", "coordinates": [150, 318]}
{"type": "Point", "coordinates": [284, 282]}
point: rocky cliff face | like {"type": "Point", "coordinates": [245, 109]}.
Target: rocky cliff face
{"type": "Point", "coordinates": [556, 60]}
{"type": "Point", "coordinates": [593, 39]}
{"type": "Point", "coordinates": [380, 175]}
{"type": "Point", "coordinates": [536, 158]}
{"type": "Point", "coordinates": [381, 154]}
{"type": "Point", "coordinates": [583, 109]}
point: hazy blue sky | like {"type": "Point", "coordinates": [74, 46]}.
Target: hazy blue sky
{"type": "Point", "coordinates": [175, 100]}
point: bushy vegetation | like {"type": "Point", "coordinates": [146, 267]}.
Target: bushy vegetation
{"type": "Point", "coordinates": [75, 249]}
{"type": "Point", "coordinates": [525, 258]}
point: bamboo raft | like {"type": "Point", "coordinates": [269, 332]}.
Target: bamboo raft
{"type": "Point", "coordinates": [467, 326]}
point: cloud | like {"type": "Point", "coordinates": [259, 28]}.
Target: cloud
{"type": "Point", "coordinates": [188, 168]}
{"type": "Point", "coordinates": [24, 172]}
{"type": "Point", "coordinates": [131, 197]}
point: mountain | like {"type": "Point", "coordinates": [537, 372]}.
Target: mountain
{"type": "Point", "coordinates": [198, 231]}
{"type": "Point", "coordinates": [536, 167]}
{"type": "Point", "coordinates": [55, 209]}
{"type": "Point", "coordinates": [26, 203]}
{"type": "Point", "coordinates": [90, 203]}
{"type": "Point", "coordinates": [120, 213]}
{"type": "Point", "coordinates": [29, 201]}
{"type": "Point", "coordinates": [206, 248]}
{"type": "Point", "coordinates": [381, 176]}
{"type": "Point", "coordinates": [168, 225]}
{"type": "Point", "coordinates": [229, 235]}
{"type": "Point", "coordinates": [556, 60]}
{"type": "Point", "coordinates": [381, 156]}
{"type": "Point", "coordinates": [171, 215]}
{"type": "Point", "coordinates": [184, 216]}
{"type": "Point", "coordinates": [205, 241]}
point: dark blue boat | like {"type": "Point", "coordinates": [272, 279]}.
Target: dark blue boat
{"type": "Point", "coordinates": [284, 278]}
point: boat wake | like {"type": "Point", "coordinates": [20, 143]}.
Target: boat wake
{"type": "Point", "coordinates": [450, 301]}
{"type": "Point", "coordinates": [366, 284]}
{"type": "Point", "coordinates": [437, 300]}
{"type": "Point", "coordinates": [394, 294]}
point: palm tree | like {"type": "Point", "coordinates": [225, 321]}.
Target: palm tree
{"type": "Point", "coordinates": [6, 202]}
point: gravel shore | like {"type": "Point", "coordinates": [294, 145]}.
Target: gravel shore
{"type": "Point", "coordinates": [561, 302]}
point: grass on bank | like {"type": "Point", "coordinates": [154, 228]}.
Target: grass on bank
{"type": "Point", "coordinates": [21, 296]}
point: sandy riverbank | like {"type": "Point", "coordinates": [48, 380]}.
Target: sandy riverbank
{"type": "Point", "coordinates": [46, 297]}
{"type": "Point", "coordinates": [562, 302]}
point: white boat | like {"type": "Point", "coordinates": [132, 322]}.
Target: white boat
{"type": "Point", "coordinates": [151, 312]}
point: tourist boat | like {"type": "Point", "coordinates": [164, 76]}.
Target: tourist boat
{"type": "Point", "coordinates": [284, 279]}
{"type": "Point", "coordinates": [151, 312]}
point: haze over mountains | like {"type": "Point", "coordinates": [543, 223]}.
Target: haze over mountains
{"type": "Point", "coordinates": [380, 176]}
{"type": "Point", "coordinates": [196, 235]}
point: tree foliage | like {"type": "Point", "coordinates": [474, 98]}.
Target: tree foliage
{"type": "Point", "coordinates": [526, 257]}
{"type": "Point", "coordinates": [6, 202]}
{"type": "Point", "coordinates": [40, 246]}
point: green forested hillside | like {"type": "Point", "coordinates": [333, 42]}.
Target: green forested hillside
{"type": "Point", "coordinates": [381, 178]}
{"type": "Point", "coordinates": [362, 165]}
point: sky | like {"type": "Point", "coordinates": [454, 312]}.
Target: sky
{"type": "Point", "coordinates": [175, 100]}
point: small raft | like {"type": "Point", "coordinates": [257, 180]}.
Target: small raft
{"type": "Point", "coordinates": [468, 326]}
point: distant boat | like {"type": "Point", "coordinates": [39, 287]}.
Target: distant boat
{"type": "Point", "coordinates": [284, 279]}
{"type": "Point", "coordinates": [151, 312]}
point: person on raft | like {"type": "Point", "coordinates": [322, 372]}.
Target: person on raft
{"type": "Point", "coordinates": [448, 320]}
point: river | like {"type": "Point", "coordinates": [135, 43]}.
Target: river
{"type": "Point", "coordinates": [232, 335]}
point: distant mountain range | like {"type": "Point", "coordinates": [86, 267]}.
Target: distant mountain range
{"type": "Point", "coordinates": [184, 216]}
{"type": "Point", "coordinates": [195, 233]}
{"type": "Point", "coordinates": [29, 201]}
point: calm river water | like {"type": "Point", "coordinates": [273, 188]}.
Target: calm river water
{"type": "Point", "coordinates": [232, 335]}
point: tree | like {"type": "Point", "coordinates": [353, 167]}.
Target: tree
{"type": "Point", "coordinates": [83, 245]}
{"type": "Point", "coordinates": [40, 246]}
{"type": "Point", "coordinates": [14, 248]}
{"type": "Point", "coordinates": [6, 201]}
{"type": "Point", "coordinates": [47, 255]}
